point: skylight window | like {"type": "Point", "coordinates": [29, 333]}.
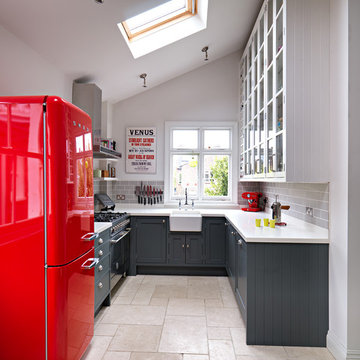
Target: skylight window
{"type": "Point", "coordinates": [159, 17]}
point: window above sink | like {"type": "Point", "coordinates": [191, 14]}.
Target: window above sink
{"type": "Point", "coordinates": [202, 158]}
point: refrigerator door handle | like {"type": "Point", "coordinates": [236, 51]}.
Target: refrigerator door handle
{"type": "Point", "coordinates": [90, 236]}
{"type": "Point", "coordinates": [87, 266]}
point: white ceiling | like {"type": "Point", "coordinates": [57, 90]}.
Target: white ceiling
{"type": "Point", "coordinates": [81, 38]}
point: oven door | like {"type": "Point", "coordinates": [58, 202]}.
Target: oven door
{"type": "Point", "coordinates": [120, 256]}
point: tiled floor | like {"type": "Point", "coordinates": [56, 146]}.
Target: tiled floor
{"type": "Point", "coordinates": [180, 318]}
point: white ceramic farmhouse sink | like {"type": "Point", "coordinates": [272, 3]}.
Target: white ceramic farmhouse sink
{"type": "Point", "coordinates": [185, 220]}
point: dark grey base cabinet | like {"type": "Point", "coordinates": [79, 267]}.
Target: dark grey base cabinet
{"type": "Point", "coordinates": [215, 245]}
{"type": "Point", "coordinates": [282, 292]}
{"type": "Point", "coordinates": [230, 254]}
{"type": "Point", "coordinates": [185, 249]}
{"type": "Point", "coordinates": [102, 270]}
{"type": "Point", "coordinates": [154, 249]}
{"type": "Point", "coordinates": [150, 239]}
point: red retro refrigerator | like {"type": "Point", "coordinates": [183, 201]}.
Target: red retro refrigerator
{"type": "Point", "coordinates": [47, 229]}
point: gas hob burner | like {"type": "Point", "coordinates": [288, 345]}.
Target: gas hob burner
{"type": "Point", "coordinates": [108, 216]}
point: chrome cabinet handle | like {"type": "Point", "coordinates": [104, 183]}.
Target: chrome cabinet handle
{"type": "Point", "coordinates": [101, 253]}
{"type": "Point", "coordinates": [87, 266]}
{"type": "Point", "coordinates": [100, 241]}
{"type": "Point", "coordinates": [100, 268]}
{"type": "Point", "coordinates": [90, 236]}
{"type": "Point", "coordinates": [187, 245]}
{"type": "Point", "coordinates": [240, 242]}
{"type": "Point", "coordinates": [100, 285]}
{"type": "Point", "coordinates": [182, 245]}
{"type": "Point", "coordinates": [226, 224]}
{"type": "Point", "coordinates": [163, 221]}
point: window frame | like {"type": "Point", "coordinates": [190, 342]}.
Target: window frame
{"type": "Point", "coordinates": [189, 11]}
{"type": "Point", "coordinates": [232, 152]}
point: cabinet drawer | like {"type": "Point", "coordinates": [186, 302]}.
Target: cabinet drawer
{"type": "Point", "coordinates": [102, 289]}
{"type": "Point", "coordinates": [104, 237]}
{"type": "Point", "coordinates": [102, 267]}
{"type": "Point", "coordinates": [102, 250]}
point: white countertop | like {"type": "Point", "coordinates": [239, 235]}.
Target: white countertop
{"type": "Point", "coordinates": [101, 226]}
{"type": "Point", "coordinates": [296, 231]}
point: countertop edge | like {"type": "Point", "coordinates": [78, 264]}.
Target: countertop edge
{"type": "Point", "coordinates": [101, 226]}
{"type": "Point", "coordinates": [308, 237]}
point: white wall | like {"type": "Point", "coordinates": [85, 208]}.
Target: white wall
{"type": "Point", "coordinates": [338, 214]}
{"type": "Point", "coordinates": [209, 93]}
{"type": "Point", "coordinates": [354, 176]}
{"type": "Point", "coordinates": [25, 72]}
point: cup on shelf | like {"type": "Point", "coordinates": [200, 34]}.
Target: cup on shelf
{"type": "Point", "coordinates": [257, 222]}
{"type": "Point", "coordinates": [272, 223]}
{"type": "Point", "coordinates": [266, 222]}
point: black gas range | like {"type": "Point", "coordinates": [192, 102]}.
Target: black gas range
{"type": "Point", "coordinates": [119, 238]}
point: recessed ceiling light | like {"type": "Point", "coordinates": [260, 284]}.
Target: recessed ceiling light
{"type": "Point", "coordinates": [99, 1]}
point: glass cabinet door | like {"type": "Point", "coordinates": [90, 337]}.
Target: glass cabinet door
{"type": "Point", "coordinates": [262, 99]}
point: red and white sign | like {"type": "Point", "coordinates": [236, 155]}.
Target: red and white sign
{"type": "Point", "coordinates": [141, 150]}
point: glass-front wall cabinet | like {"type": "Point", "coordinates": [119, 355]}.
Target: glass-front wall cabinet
{"type": "Point", "coordinates": [262, 96]}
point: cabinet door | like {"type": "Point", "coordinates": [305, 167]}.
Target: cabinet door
{"type": "Point", "coordinates": [194, 249]}
{"type": "Point", "coordinates": [215, 241]}
{"type": "Point", "coordinates": [176, 245]}
{"type": "Point", "coordinates": [241, 274]}
{"type": "Point", "coordinates": [151, 240]}
{"type": "Point", "coordinates": [231, 255]}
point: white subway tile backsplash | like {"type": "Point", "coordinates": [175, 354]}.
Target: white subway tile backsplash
{"type": "Point", "coordinates": [299, 196]}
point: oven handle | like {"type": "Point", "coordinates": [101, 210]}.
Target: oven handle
{"type": "Point", "coordinates": [94, 261]}
{"type": "Point", "coordinates": [114, 241]}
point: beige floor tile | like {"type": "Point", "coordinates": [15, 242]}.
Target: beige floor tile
{"type": "Point", "coordinates": [170, 291]}
{"type": "Point", "coordinates": [228, 300]}
{"type": "Point", "coordinates": [100, 315]}
{"type": "Point", "coordinates": [315, 353]}
{"type": "Point", "coordinates": [186, 307]}
{"type": "Point", "coordinates": [127, 292]}
{"type": "Point", "coordinates": [184, 334]}
{"type": "Point", "coordinates": [136, 338]}
{"type": "Point", "coordinates": [199, 290]}
{"type": "Point", "coordinates": [143, 295]}
{"type": "Point", "coordinates": [224, 283]}
{"type": "Point", "coordinates": [155, 356]}
{"type": "Point", "coordinates": [123, 300]}
{"type": "Point", "coordinates": [221, 350]}
{"type": "Point", "coordinates": [259, 352]}
{"type": "Point", "coordinates": [165, 280]}
{"type": "Point", "coordinates": [203, 280]}
{"type": "Point", "coordinates": [217, 333]}
{"type": "Point", "coordinates": [195, 357]}
{"type": "Point", "coordinates": [135, 315]}
{"type": "Point", "coordinates": [116, 355]}
{"type": "Point", "coordinates": [213, 303]}
{"type": "Point", "coordinates": [97, 348]}
{"type": "Point", "coordinates": [224, 317]}
{"type": "Point", "coordinates": [105, 329]}
{"type": "Point", "coordinates": [159, 301]}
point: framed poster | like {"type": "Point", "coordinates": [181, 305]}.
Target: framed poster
{"type": "Point", "coordinates": [141, 150]}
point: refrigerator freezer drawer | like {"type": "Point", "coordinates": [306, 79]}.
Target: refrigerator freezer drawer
{"type": "Point", "coordinates": [70, 309]}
